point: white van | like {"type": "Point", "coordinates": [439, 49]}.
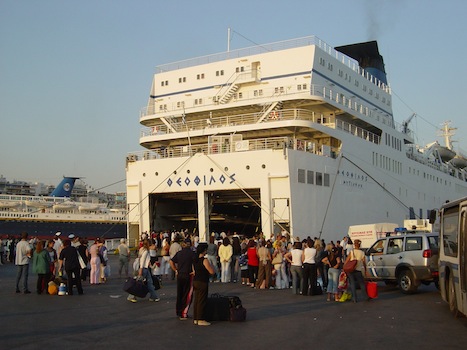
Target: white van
{"type": "Point", "coordinates": [369, 233]}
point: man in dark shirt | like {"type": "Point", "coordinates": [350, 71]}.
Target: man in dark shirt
{"type": "Point", "coordinates": [182, 264]}
{"type": "Point", "coordinates": [72, 267]}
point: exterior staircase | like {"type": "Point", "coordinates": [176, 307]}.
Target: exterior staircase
{"type": "Point", "coordinates": [229, 93]}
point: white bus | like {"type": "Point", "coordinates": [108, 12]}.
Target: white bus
{"type": "Point", "coordinates": [453, 255]}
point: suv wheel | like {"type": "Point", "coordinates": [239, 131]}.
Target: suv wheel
{"type": "Point", "coordinates": [406, 282]}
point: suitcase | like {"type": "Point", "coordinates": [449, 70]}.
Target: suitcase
{"type": "Point", "coordinates": [237, 314]}
{"type": "Point", "coordinates": [136, 288]}
{"type": "Point", "coordinates": [217, 308]}
{"type": "Point", "coordinates": [372, 289]}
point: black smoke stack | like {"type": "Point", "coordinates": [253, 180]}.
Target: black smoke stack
{"type": "Point", "coordinates": [368, 57]}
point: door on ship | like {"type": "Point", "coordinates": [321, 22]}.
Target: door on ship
{"type": "Point", "coordinates": [281, 214]}
{"type": "Point", "coordinates": [133, 235]}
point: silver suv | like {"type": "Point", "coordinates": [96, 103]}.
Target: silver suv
{"type": "Point", "coordinates": [408, 259]}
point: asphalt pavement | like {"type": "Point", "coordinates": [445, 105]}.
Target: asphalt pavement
{"type": "Point", "coordinates": [102, 318]}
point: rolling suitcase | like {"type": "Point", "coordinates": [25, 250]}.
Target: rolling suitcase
{"type": "Point", "coordinates": [217, 308]}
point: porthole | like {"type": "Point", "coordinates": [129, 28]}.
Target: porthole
{"type": "Point", "coordinates": [247, 167]}
{"type": "Point", "coordinates": [226, 169]}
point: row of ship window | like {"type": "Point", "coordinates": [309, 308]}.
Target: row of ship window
{"type": "Point", "coordinates": [381, 161]}
{"type": "Point", "coordinates": [429, 176]}
{"type": "Point", "coordinates": [393, 142]}
{"type": "Point", "coordinates": [237, 95]}
{"type": "Point", "coordinates": [313, 178]}
{"type": "Point", "coordinates": [348, 78]}
{"type": "Point", "coordinates": [200, 76]}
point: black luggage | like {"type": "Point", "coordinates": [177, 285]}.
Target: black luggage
{"type": "Point", "coordinates": [237, 311]}
{"type": "Point", "coordinates": [217, 308]}
{"type": "Point", "coordinates": [238, 314]}
{"type": "Point", "coordinates": [316, 290]}
{"type": "Point", "coordinates": [156, 282]}
{"type": "Point", "coordinates": [136, 288]}
{"type": "Point", "coordinates": [224, 308]}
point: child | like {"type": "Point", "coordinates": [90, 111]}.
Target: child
{"type": "Point", "coordinates": [243, 262]}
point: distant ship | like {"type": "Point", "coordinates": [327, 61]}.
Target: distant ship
{"type": "Point", "coordinates": [292, 137]}
{"type": "Point", "coordinates": [45, 215]}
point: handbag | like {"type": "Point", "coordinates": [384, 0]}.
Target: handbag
{"type": "Point", "coordinates": [350, 265]}
{"type": "Point", "coordinates": [82, 264]}
{"type": "Point", "coordinates": [156, 282]}
{"type": "Point", "coordinates": [343, 281]}
{"type": "Point", "coordinates": [135, 287]}
{"type": "Point", "coordinates": [277, 259]}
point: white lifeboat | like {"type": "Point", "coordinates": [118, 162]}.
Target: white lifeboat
{"type": "Point", "coordinates": [37, 204]}
{"type": "Point", "coordinates": [10, 204]}
{"type": "Point", "coordinates": [459, 161]}
{"type": "Point", "coordinates": [445, 153]}
{"type": "Point", "coordinates": [64, 206]}
{"type": "Point", "coordinates": [89, 207]}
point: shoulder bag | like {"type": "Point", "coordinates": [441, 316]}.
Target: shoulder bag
{"type": "Point", "coordinates": [277, 259]}
{"type": "Point", "coordinates": [350, 265]}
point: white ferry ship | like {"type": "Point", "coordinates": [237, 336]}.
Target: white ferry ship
{"type": "Point", "coordinates": [45, 215]}
{"type": "Point", "coordinates": [292, 136]}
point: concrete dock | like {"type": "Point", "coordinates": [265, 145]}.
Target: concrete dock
{"type": "Point", "coordinates": [102, 318]}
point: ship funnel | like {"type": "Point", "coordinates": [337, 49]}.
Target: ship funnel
{"type": "Point", "coordinates": [368, 57]}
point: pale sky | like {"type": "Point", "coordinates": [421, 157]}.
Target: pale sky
{"type": "Point", "coordinates": [75, 74]}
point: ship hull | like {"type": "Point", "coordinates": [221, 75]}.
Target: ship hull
{"type": "Point", "coordinates": [46, 229]}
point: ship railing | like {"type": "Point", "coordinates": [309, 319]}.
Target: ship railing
{"type": "Point", "coordinates": [357, 131]}
{"type": "Point", "coordinates": [271, 143]}
{"type": "Point", "coordinates": [231, 120]}
{"type": "Point", "coordinates": [248, 51]}
{"type": "Point", "coordinates": [253, 118]}
{"type": "Point", "coordinates": [33, 199]}
{"type": "Point", "coordinates": [179, 109]}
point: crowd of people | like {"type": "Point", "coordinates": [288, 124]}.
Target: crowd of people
{"type": "Point", "coordinates": [70, 261]}
{"type": "Point", "coordinates": [308, 267]}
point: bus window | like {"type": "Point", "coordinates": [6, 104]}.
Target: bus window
{"type": "Point", "coordinates": [450, 227]}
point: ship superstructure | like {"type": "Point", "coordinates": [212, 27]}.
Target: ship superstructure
{"type": "Point", "coordinates": [293, 136]}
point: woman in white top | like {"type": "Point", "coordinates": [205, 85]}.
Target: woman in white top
{"type": "Point", "coordinates": [144, 272]}
{"type": "Point", "coordinates": [294, 257]}
{"type": "Point", "coordinates": [309, 266]}
{"type": "Point", "coordinates": [225, 252]}
{"type": "Point", "coordinates": [357, 275]}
